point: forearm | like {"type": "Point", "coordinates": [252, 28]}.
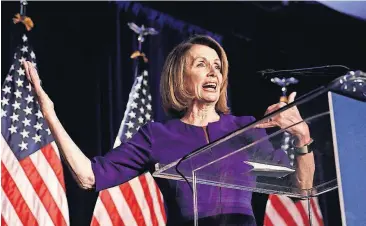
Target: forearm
{"type": "Point", "coordinates": [79, 164]}
{"type": "Point", "coordinates": [305, 171]}
{"type": "Point", "coordinates": [305, 162]}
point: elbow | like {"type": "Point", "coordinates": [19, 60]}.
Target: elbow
{"type": "Point", "coordinates": [87, 182]}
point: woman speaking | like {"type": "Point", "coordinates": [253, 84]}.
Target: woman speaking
{"type": "Point", "coordinates": [194, 92]}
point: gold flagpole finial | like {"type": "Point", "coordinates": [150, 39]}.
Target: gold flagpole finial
{"type": "Point", "coordinates": [22, 18]}
{"type": "Point", "coordinates": [142, 31]}
{"type": "Point", "coordinates": [139, 54]}
{"type": "Point", "coordinates": [27, 21]}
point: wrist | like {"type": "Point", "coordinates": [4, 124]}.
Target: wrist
{"type": "Point", "coordinates": [303, 149]}
{"type": "Point", "coordinates": [302, 146]}
{"type": "Point", "coordinates": [303, 136]}
{"type": "Point", "coordinates": [50, 115]}
{"type": "Point", "coordinates": [303, 141]}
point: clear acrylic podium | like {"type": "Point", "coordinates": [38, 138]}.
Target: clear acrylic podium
{"type": "Point", "coordinates": [248, 159]}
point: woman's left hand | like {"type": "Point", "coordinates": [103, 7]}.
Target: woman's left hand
{"type": "Point", "coordinates": [288, 118]}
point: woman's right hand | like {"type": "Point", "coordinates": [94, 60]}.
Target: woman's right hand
{"type": "Point", "coordinates": [75, 158]}
{"type": "Point", "coordinates": [44, 101]}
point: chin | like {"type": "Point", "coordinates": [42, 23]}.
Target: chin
{"type": "Point", "coordinates": [211, 100]}
{"type": "Point", "coordinates": [209, 97]}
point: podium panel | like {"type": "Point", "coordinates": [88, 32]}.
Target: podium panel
{"type": "Point", "coordinates": [260, 160]}
{"type": "Point", "coordinates": [265, 161]}
{"type": "Point", "coordinates": [349, 133]}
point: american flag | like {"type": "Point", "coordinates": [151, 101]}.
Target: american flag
{"type": "Point", "coordinates": [281, 210]}
{"type": "Point", "coordinates": [32, 181]}
{"type": "Point", "coordinates": [138, 201]}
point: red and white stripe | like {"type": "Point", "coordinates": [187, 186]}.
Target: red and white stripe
{"type": "Point", "coordinates": [33, 189]}
{"type": "Point", "coordinates": [281, 210]}
{"type": "Point", "coordinates": [137, 202]}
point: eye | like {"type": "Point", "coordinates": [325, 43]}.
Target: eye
{"type": "Point", "coordinates": [201, 64]}
{"type": "Point", "coordinates": [217, 67]}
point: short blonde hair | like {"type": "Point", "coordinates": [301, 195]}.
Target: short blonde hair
{"type": "Point", "coordinates": [176, 98]}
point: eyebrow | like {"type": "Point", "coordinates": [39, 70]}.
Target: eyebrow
{"type": "Point", "coordinates": [205, 59]}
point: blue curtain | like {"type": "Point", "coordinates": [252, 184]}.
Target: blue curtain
{"type": "Point", "coordinates": [83, 52]}
{"type": "Point", "coordinates": [118, 83]}
{"type": "Point", "coordinates": [83, 55]}
{"type": "Point", "coordinates": [114, 86]}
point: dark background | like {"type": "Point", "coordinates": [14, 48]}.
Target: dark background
{"type": "Point", "coordinates": [78, 47]}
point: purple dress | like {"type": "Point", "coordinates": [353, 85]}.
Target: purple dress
{"type": "Point", "coordinates": [165, 142]}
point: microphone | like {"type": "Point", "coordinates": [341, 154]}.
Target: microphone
{"type": "Point", "coordinates": [327, 70]}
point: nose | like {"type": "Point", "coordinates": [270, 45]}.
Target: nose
{"type": "Point", "coordinates": [212, 71]}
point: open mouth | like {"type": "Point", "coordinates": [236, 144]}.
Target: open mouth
{"type": "Point", "coordinates": [210, 86]}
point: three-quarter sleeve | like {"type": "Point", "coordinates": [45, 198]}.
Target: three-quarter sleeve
{"type": "Point", "coordinates": [124, 162]}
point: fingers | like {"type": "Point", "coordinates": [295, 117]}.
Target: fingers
{"type": "Point", "coordinates": [270, 109]}
{"type": "Point", "coordinates": [264, 125]}
{"type": "Point", "coordinates": [31, 73]}
{"type": "Point", "coordinates": [27, 71]}
{"type": "Point", "coordinates": [274, 107]}
{"type": "Point", "coordinates": [34, 75]}
{"type": "Point", "coordinates": [291, 98]}
{"type": "Point", "coordinates": [276, 120]}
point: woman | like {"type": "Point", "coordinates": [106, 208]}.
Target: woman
{"type": "Point", "coordinates": [193, 89]}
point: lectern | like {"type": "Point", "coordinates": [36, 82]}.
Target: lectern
{"type": "Point", "coordinates": [249, 159]}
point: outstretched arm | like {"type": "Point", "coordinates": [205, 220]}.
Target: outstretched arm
{"type": "Point", "coordinates": [79, 164]}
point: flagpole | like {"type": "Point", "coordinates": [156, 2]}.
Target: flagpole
{"type": "Point", "coordinates": [141, 31]}
{"type": "Point", "coordinates": [287, 137]}
{"type": "Point", "coordinates": [139, 49]}
{"type": "Point", "coordinates": [23, 6]}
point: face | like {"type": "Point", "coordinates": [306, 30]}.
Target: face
{"type": "Point", "coordinates": [204, 72]}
